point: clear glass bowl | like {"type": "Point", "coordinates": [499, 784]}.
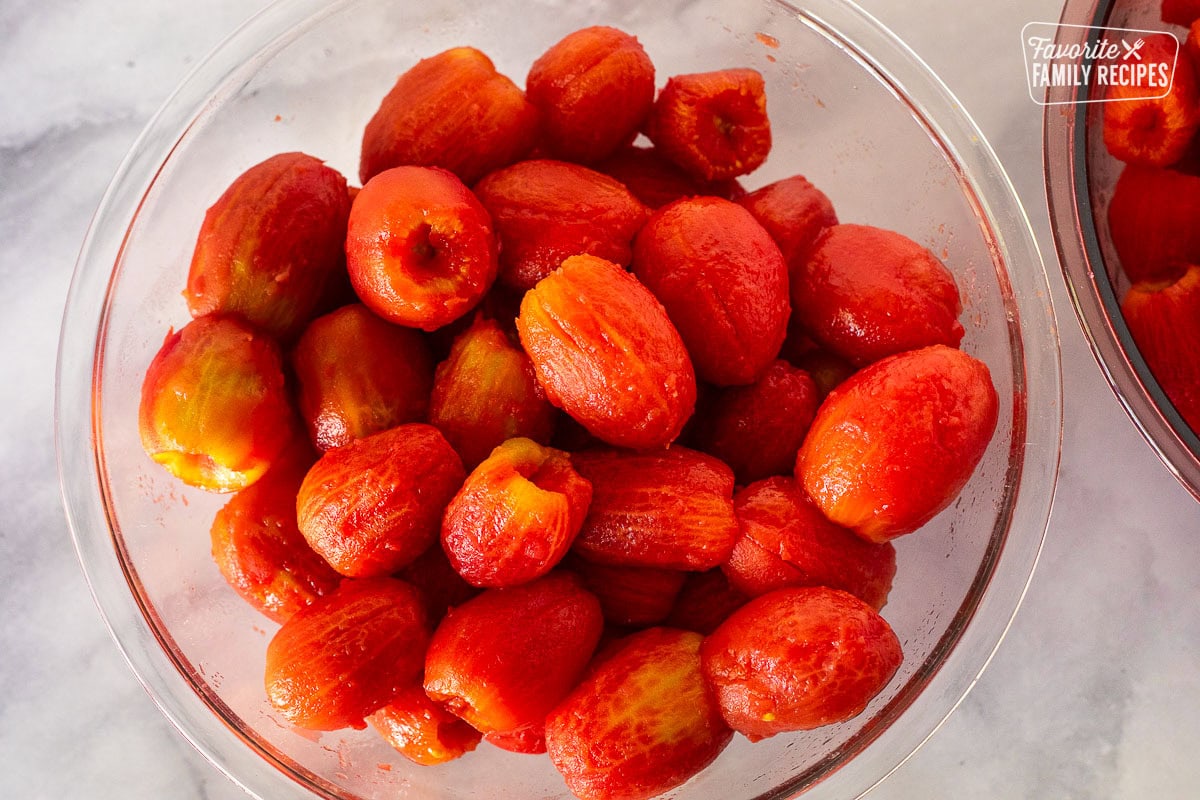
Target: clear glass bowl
{"type": "Point", "coordinates": [852, 108]}
{"type": "Point", "coordinates": [1080, 176]}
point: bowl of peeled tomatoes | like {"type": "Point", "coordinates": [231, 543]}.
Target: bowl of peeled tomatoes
{"type": "Point", "coordinates": [559, 400]}
{"type": "Point", "coordinates": [1123, 184]}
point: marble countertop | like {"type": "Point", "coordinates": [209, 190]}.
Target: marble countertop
{"type": "Point", "coordinates": [1095, 693]}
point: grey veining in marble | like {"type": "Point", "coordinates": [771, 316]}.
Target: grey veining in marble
{"type": "Point", "coordinates": [1094, 694]}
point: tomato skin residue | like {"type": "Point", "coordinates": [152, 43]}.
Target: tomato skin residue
{"type": "Point", "coordinates": [767, 39]}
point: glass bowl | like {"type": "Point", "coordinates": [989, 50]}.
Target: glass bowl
{"type": "Point", "coordinates": [1080, 177]}
{"type": "Point", "coordinates": [852, 108]}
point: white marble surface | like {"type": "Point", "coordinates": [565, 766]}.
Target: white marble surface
{"type": "Point", "coordinates": [1094, 694]}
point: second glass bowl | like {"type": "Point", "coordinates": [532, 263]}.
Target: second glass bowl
{"type": "Point", "coordinates": [1080, 177]}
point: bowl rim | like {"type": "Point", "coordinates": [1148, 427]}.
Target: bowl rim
{"type": "Point", "coordinates": [1036, 442]}
{"type": "Point", "coordinates": [1081, 259]}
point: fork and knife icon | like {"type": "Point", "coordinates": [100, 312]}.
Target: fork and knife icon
{"type": "Point", "coordinates": [1131, 50]}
